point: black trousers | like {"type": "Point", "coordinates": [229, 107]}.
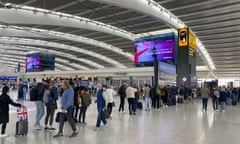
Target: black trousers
{"type": "Point", "coordinates": [109, 108]}
{"type": "Point", "coordinates": [75, 112]}
{"type": "Point", "coordinates": [215, 102]}
{"type": "Point", "coordinates": [69, 119]}
{"type": "Point", "coordinates": [156, 102]}
{"type": "Point", "coordinates": [82, 115]}
{"type": "Point", "coordinates": [122, 101]}
{"type": "Point", "coordinates": [4, 125]}
{"type": "Point", "coordinates": [50, 114]}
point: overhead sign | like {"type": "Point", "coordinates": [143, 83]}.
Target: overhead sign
{"type": "Point", "coordinates": [192, 43]}
{"type": "Point", "coordinates": [183, 37]}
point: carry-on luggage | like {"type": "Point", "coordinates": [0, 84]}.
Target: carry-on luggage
{"type": "Point", "coordinates": [139, 105]}
{"type": "Point", "coordinates": [234, 100]}
{"type": "Point", "coordinates": [22, 122]}
{"type": "Point", "coordinates": [180, 99]}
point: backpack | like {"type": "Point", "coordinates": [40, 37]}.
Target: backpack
{"type": "Point", "coordinates": [158, 92]}
{"type": "Point", "coordinates": [46, 96]}
{"type": "Point", "coordinates": [33, 94]}
{"type": "Point", "coordinates": [86, 99]}
{"type": "Point", "coordinates": [216, 93]}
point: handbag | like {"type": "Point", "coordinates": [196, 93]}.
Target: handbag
{"type": "Point", "coordinates": [61, 114]}
{"type": "Point", "coordinates": [113, 104]}
{"type": "Point", "coordinates": [106, 113]}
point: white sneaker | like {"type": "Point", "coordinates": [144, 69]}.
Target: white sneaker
{"type": "Point", "coordinates": [97, 129]}
{"type": "Point", "coordinates": [3, 135]}
{"type": "Point", "coordinates": [37, 127]}
{"type": "Point", "coordinates": [106, 126]}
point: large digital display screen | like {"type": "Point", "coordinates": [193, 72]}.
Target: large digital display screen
{"type": "Point", "coordinates": [33, 63]}
{"type": "Point", "coordinates": [162, 47]}
{"type": "Point", "coordinates": [39, 61]}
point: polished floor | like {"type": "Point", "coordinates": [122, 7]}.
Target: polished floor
{"type": "Point", "coordinates": [181, 124]}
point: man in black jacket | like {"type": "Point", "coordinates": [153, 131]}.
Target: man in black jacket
{"type": "Point", "coordinates": [122, 93]}
{"type": "Point", "coordinates": [39, 103]}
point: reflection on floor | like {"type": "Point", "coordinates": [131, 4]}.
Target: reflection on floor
{"type": "Point", "coordinates": [181, 124]}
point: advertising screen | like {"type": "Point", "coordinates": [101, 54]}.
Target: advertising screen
{"type": "Point", "coordinates": [33, 63]}
{"type": "Point", "coordinates": [163, 48]}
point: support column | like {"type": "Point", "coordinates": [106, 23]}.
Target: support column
{"type": "Point", "coordinates": [186, 65]}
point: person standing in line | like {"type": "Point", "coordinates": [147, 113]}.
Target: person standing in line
{"type": "Point", "coordinates": [101, 105]}
{"type": "Point", "coordinates": [215, 99]}
{"type": "Point", "coordinates": [5, 100]}
{"type": "Point", "coordinates": [67, 109]}
{"type": "Point", "coordinates": [146, 92]}
{"type": "Point", "coordinates": [39, 104]}
{"type": "Point", "coordinates": [84, 102]}
{"type": "Point", "coordinates": [130, 93]}
{"type": "Point", "coordinates": [122, 93]}
{"type": "Point", "coordinates": [205, 94]}
{"type": "Point", "coordinates": [223, 98]}
{"type": "Point", "coordinates": [51, 106]}
{"type": "Point", "coordinates": [108, 96]}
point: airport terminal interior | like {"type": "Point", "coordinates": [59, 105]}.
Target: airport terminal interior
{"type": "Point", "coordinates": [152, 71]}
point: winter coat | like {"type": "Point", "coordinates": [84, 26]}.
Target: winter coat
{"type": "Point", "coordinates": [5, 100]}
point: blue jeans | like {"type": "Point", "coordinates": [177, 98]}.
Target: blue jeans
{"type": "Point", "coordinates": [223, 105]}
{"type": "Point", "coordinates": [100, 118]}
{"type": "Point", "coordinates": [148, 102]}
{"type": "Point", "coordinates": [39, 112]}
{"type": "Point", "coordinates": [205, 102]}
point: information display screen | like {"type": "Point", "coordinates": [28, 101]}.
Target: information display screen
{"type": "Point", "coordinates": [33, 63]}
{"type": "Point", "coordinates": [163, 47]}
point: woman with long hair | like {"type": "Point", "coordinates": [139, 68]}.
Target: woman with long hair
{"type": "Point", "coordinates": [67, 109]}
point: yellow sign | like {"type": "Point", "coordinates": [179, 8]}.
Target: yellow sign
{"type": "Point", "coordinates": [183, 37]}
{"type": "Point", "coordinates": [192, 43]}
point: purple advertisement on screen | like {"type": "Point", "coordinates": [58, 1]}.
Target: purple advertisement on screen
{"type": "Point", "coordinates": [164, 50]}
{"type": "Point", "coordinates": [33, 62]}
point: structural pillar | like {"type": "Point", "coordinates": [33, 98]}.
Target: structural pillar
{"type": "Point", "coordinates": [186, 65]}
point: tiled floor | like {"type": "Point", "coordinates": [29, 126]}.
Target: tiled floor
{"type": "Point", "coordinates": [181, 124]}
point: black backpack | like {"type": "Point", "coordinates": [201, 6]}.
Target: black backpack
{"type": "Point", "coordinates": [33, 94]}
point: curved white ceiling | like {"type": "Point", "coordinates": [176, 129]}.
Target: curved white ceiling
{"type": "Point", "coordinates": [9, 40]}
{"type": "Point", "coordinates": [16, 31]}
{"type": "Point", "coordinates": [31, 15]}
{"type": "Point", "coordinates": [154, 9]}
{"type": "Point", "coordinates": [59, 53]}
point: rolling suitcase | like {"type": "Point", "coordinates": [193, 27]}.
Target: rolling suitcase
{"type": "Point", "coordinates": [22, 122]}
{"type": "Point", "coordinates": [139, 105]}
{"type": "Point", "coordinates": [234, 100]}
{"type": "Point", "coordinates": [180, 99]}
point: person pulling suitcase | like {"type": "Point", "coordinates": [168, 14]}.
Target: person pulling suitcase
{"type": "Point", "coordinates": [5, 100]}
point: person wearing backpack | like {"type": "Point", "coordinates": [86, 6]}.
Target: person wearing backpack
{"type": "Point", "coordinates": [40, 88]}
{"type": "Point", "coordinates": [122, 93]}
{"type": "Point", "coordinates": [5, 100]}
{"type": "Point", "coordinates": [51, 104]}
{"type": "Point", "coordinates": [84, 102]}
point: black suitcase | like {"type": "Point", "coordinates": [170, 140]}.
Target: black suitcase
{"type": "Point", "coordinates": [234, 100]}
{"type": "Point", "coordinates": [22, 122]}
{"type": "Point", "coordinates": [22, 128]}
{"type": "Point", "coordinates": [139, 105]}
{"type": "Point", "coordinates": [180, 100]}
